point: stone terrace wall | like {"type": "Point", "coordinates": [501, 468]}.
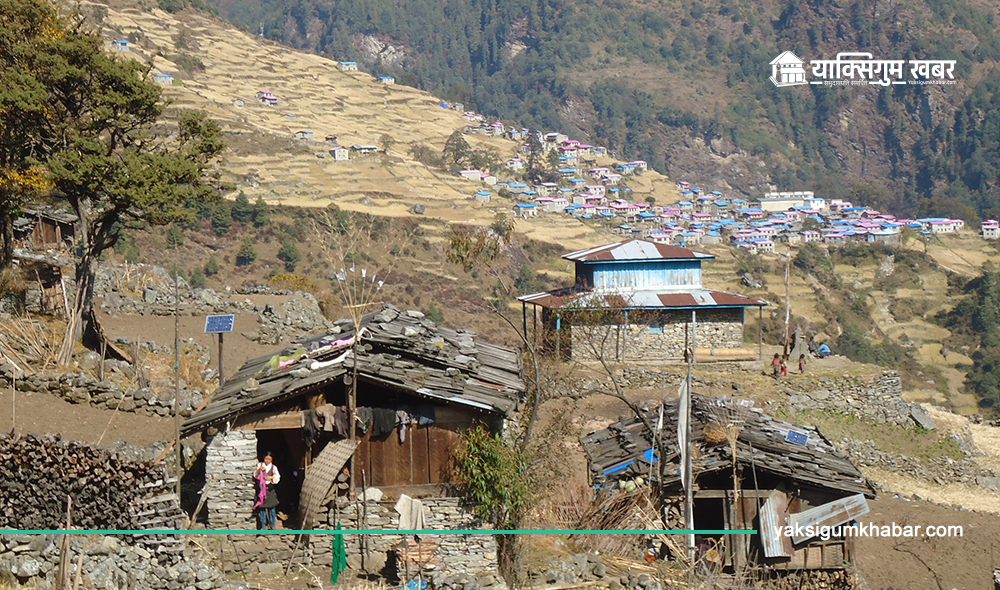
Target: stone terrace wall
{"type": "Point", "coordinates": [80, 388]}
{"type": "Point", "coordinates": [878, 398]}
{"type": "Point", "coordinates": [109, 563]}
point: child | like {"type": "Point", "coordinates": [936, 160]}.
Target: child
{"type": "Point", "coordinates": [776, 365]}
{"type": "Point", "coordinates": [802, 364]}
{"type": "Point", "coordinates": [784, 368]}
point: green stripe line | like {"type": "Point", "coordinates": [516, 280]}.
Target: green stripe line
{"type": "Point", "coordinates": [376, 532]}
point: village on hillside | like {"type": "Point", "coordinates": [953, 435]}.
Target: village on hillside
{"type": "Point", "coordinates": [631, 422]}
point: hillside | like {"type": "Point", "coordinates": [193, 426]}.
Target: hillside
{"type": "Point", "coordinates": [216, 68]}
{"type": "Point", "coordinates": [684, 85]}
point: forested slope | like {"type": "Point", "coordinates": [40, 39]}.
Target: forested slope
{"type": "Point", "coordinates": [684, 85]}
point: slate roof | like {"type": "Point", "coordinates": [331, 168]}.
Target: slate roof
{"type": "Point", "coordinates": [623, 450]}
{"type": "Point", "coordinates": [400, 350]}
{"type": "Point", "coordinates": [635, 250]}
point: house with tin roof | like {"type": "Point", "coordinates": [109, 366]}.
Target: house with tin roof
{"type": "Point", "coordinates": [651, 296]}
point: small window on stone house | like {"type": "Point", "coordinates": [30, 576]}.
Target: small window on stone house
{"type": "Point", "coordinates": [656, 327]}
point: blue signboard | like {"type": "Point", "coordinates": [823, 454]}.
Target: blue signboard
{"type": "Point", "coordinates": [797, 438]}
{"type": "Point", "coordinates": [218, 324]}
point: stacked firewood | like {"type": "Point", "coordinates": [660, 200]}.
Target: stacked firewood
{"type": "Point", "coordinates": [107, 489]}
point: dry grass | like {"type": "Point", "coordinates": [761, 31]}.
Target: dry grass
{"type": "Point", "coordinates": [31, 343]}
{"type": "Point", "coordinates": [12, 280]}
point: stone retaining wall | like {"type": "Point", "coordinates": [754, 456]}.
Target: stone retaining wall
{"type": "Point", "coordinates": [80, 388]}
{"type": "Point", "coordinates": [109, 563]}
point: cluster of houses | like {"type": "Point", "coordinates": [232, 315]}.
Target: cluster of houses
{"type": "Point", "coordinates": [708, 217]}
{"type": "Point", "coordinates": [783, 217]}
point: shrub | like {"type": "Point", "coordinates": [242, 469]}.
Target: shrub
{"type": "Point", "coordinates": [289, 253]}
{"type": "Point", "coordinates": [197, 278]}
{"type": "Point", "coordinates": [212, 266]}
{"type": "Point", "coordinates": [434, 314]}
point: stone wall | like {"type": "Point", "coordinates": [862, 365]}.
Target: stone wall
{"type": "Point", "coordinates": [109, 563]}
{"type": "Point", "coordinates": [80, 388]}
{"type": "Point", "coordinates": [878, 398]}
{"type": "Point", "coordinates": [473, 555]}
{"type": "Point", "coordinates": [230, 459]}
{"type": "Point", "coordinates": [662, 337]}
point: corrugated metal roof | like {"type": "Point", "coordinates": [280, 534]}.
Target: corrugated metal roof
{"type": "Point", "coordinates": [830, 514]}
{"type": "Point", "coordinates": [772, 522]}
{"type": "Point", "coordinates": [635, 250]}
{"type": "Point", "coordinates": [680, 298]}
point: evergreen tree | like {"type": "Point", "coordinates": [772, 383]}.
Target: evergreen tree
{"type": "Point", "coordinates": [434, 314]}
{"type": "Point", "coordinates": [242, 210]}
{"type": "Point", "coordinates": [90, 120]}
{"type": "Point", "coordinates": [197, 278]}
{"type": "Point", "coordinates": [247, 253]}
{"type": "Point", "coordinates": [289, 253]}
{"type": "Point", "coordinates": [222, 219]}
{"type": "Point", "coordinates": [212, 266]}
{"type": "Point", "coordinates": [174, 237]}
{"type": "Point", "coordinates": [261, 213]}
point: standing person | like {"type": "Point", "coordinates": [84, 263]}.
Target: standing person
{"type": "Point", "coordinates": [776, 365]}
{"type": "Point", "coordinates": [268, 514]}
{"type": "Point", "coordinates": [784, 368]}
{"type": "Point", "coordinates": [802, 364]}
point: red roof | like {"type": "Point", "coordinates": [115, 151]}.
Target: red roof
{"type": "Point", "coordinates": [690, 298]}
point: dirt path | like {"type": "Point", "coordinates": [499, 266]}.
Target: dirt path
{"type": "Point", "coordinates": [928, 563]}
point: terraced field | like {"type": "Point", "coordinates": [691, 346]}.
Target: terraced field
{"type": "Point", "coordinates": [313, 94]}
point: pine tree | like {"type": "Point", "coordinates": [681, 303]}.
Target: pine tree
{"type": "Point", "coordinates": [242, 210]}
{"type": "Point", "coordinates": [289, 253]}
{"type": "Point", "coordinates": [261, 214]}
{"type": "Point", "coordinates": [212, 266]}
{"type": "Point", "coordinates": [197, 278]}
{"type": "Point", "coordinates": [247, 253]}
{"type": "Point", "coordinates": [222, 220]}
{"type": "Point", "coordinates": [174, 237]}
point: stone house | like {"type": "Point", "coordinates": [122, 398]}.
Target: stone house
{"type": "Point", "coordinates": [348, 66]}
{"type": "Point", "coordinates": [340, 153]}
{"type": "Point", "coordinates": [785, 475]}
{"type": "Point", "coordinates": [646, 294]}
{"type": "Point", "coordinates": [991, 229]}
{"type": "Point", "coordinates": [419, 386]}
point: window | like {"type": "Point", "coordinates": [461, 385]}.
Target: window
{"type": "Point", "coordinates": [656, 327]}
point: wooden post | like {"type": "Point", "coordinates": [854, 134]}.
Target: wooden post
{"type": "Point", "coordinates": [760, 332]}
{"type": "Point", "coordinates": [177, 389]}
{"type": "Point", "coordinates": [222, 370]}
{"type": "Point", "coordinates": [524, 319]}
{"type": "Point", "coordinates": [558, 336]}
{"type": "Point", "coordinates": [788, 302]}
{"type": "Point", "coordinates": [688, 479]}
